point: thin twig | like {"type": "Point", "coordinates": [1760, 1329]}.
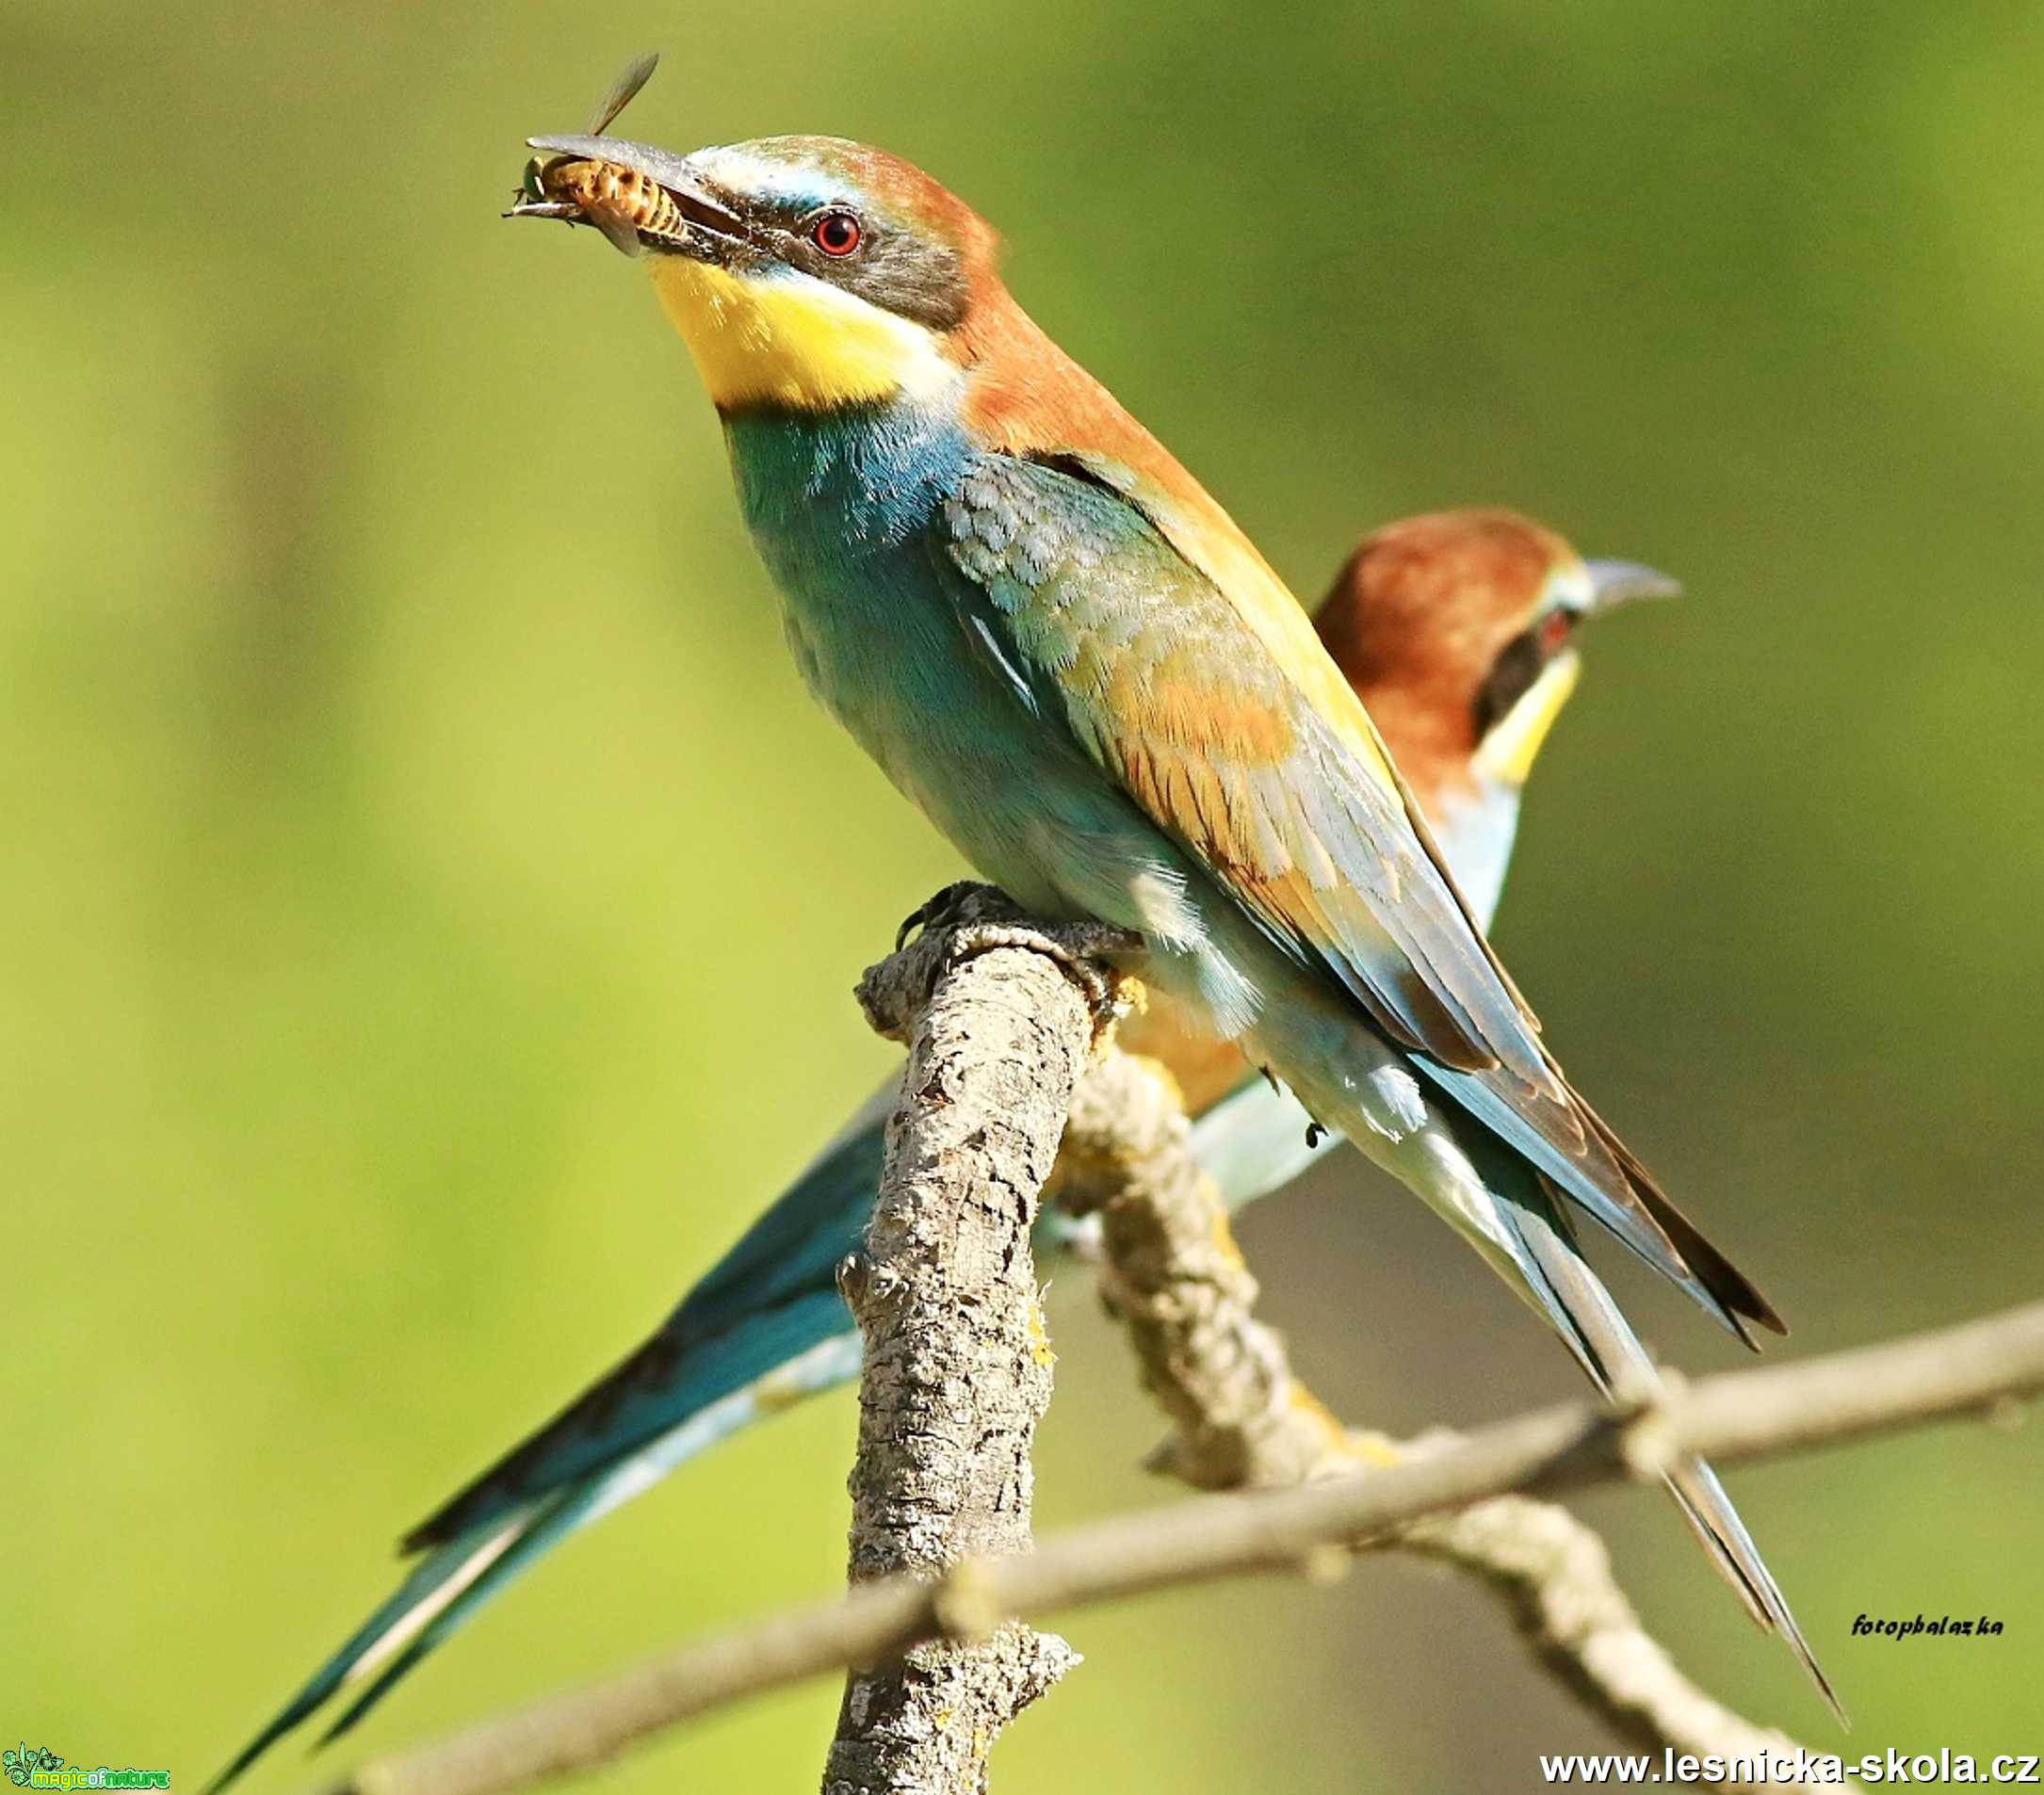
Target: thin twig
{"type": "Point", "coordinates": [1978, 1365]}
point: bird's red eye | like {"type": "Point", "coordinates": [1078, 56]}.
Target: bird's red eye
{"type": "Point", "coordinates": [1555, 629]}
{"type": "Point", "coordinates": [836, 233]}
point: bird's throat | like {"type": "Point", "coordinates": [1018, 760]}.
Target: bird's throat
{"type": "Point", "coordinates": [1507, 752]}
{"type": "Point", "coordinates": [779, 339]}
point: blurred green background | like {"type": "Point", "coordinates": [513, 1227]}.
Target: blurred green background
{"type": "Point", "coordinates": [431, 903]}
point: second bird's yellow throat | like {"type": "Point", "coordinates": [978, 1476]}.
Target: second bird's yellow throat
{"type": "Point", "coordinates": [780, 338]}
{"type": "Point", "coordinates": [1507, 752]}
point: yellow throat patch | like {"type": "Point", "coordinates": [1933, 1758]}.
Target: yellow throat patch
{"type": "Point", "coordinates": [1507, 752]}
{"type": "Point", "coordinates": [789, 341]}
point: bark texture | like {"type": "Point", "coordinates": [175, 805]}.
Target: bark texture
{"type": "Point", "coordinates": [1000, 1020]}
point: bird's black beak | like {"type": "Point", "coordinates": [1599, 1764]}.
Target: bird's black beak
{"type": "Point", "coordinates": [713, 231]}
{"type": "Point", "coordinates": [1616, 583]}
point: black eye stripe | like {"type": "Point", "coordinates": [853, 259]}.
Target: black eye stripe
{"type": "Point", "coordinates": [1510, 679]}
{"type": "Point", "coordinates": [895, 269]}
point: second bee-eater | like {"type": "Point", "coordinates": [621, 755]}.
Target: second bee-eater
{"type": "Point", "coordinates": [1456, 630]}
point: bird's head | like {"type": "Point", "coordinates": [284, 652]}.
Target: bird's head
{"type": "Point", "coordinates": [1457, 630]}
{"type": "Point", "coordinates": [803, 272]}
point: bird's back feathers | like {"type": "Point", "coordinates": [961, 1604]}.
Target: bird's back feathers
{"type": "Point", "coordinates": [1135, 651]}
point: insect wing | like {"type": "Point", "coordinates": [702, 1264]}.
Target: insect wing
{"type": "Point", "coordinates": [625, 91]}
{"type": "Point", "coordinates": [621, 235]}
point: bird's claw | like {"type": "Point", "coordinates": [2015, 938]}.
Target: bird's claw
{"type": "Point", "coordinates": [968, 918]}
{"type": "Point", "coordinates": [946, 909]}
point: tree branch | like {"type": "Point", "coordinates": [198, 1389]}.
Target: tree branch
{"type": "Point", "coordinates": [1000, 1020]}
{"type": "Point", "coordinates": [1976, 1366]}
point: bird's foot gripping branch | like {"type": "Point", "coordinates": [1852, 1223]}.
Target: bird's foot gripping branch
{"type": "Point", "coordinates": [1001, 1018]}
{"type": "Point", "coordinates": [968, 918]}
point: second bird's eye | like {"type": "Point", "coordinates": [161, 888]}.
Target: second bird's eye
{"type": "Point", "coordinates": [836, 233]}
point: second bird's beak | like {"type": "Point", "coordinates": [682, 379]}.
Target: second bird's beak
{"type": "Point", "coordinates": [1614, 583]}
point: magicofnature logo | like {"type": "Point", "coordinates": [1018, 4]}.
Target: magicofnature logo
{"type": "Point", "coordinates": [38, 1767]}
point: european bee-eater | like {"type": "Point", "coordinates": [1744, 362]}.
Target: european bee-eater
{"type": "Point", "coordinates": [1455, 630]}
{"type": "Point", "coordinates": [1062, 650]}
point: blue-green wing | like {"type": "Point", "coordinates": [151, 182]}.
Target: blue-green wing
{"type": "Point", "coordinates": [1155, 672]}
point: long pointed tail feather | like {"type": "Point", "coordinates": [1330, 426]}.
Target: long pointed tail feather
{"type": "Point", "coordinates": [430, 1583]}
{"type": "Point", "coordinates": [831, 1361]}
{"type": "Point", "coordinates": [1623, 1367]}
{"type": "Point", "coordinates": [1560, 1284]}
{"type": "Point", "coordinates": [804, 1347]}
{"type": "Point", "coordinates": [1513, 1208]}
